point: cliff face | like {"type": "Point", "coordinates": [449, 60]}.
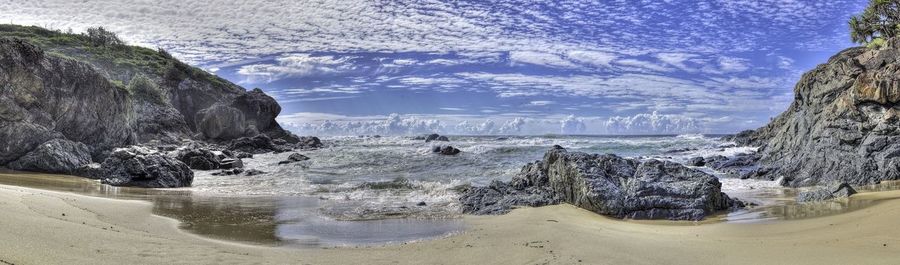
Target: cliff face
{"type": "Point", "coordinates": [55, 86]}
{"type": "Point", "coordinates": [842, 125]}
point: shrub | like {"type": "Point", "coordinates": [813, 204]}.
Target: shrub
{"type": "Point", "coordinates": [102, 37]}
{"type": "Point", "coordinates": [143, 88]}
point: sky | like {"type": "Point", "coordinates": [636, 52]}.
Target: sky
{"type": "Point", "coordinates": [348, 67]}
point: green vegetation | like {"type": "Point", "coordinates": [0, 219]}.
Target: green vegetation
{"type": "Point", "coordinates": [877, 23]}
{"type": "Point", "coordinates": [105, 51]}
{"type": "Point", "coordinates": [143, 88]}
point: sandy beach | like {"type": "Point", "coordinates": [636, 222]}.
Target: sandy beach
{"type": "Point", "coordinates": [46, 227]}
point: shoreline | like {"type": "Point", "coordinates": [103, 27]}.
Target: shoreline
{"type": "Point", "coordinates": [102, 230]}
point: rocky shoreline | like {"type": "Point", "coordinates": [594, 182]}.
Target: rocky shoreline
{"type": "Point", "coordinates": [74, 114]}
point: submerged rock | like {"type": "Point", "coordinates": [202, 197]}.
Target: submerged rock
{"type": "Point", "coordinates": [445, 150]}
{"type": "Point", "coordinates": [141, 167]}
{"type": "Point", "coordinates": [309, 142]}
{"type": "Point", "coordinates": [605, 184]}
{"type": "Point", "coordinates": [254, 172]}
{"type": "Point", "coordinates": [54, 156]}
{"type": "Point", "coordinates": [436, 137]}
{"type": "Point", "coordinates": [229, 172]}
{"type": "Point", "coordinates": [696, 162]}
{"type": "Point", "coordinates": [295, 157]}
{"type": "Point", "coordinates": [829, 192]}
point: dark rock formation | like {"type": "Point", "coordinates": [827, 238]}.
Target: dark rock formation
{"type": "Point", "coordinates": [59, 90]}
{"type": "Point", "coordinates": [608, 185]}
{"type": "Point", "coordinates": [829, 192]}
{"type": "Point", "coordinates": [295, 157]}
{"type": "Point", "coordinates": [54, 156]}
{"type": "Point", "coordinates": [696, 162]}
{"type": "Point", "coordinates": [198, 158]}
{"type": "Point", "coordinates": [445, 150]}
{"type": "Point", "coordinates": [842, 126]}
{"type": "Point", "coordinates": [743, 165]}
{"type": "Point", "coordinates": [141, 167]}
{"type": "Point", "coordinates": [254, 172]}
{"type": "Point", "coordinates": [436, 137]}
{"type": "Point", "coordinates": [229, 172]}
{"type": "Point", "coordinates": [258, 144]}
{"type": "Point", "coordinates": [44, 97]}
{"type": "Point", "coordinates": [309, 142]}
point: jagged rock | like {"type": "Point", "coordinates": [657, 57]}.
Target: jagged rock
{"type": "Point", "coordinates": [445, 150]}
{"type": "Point", "coordinates": [65, 93]}
{"type": "Point", "coordinates": [436, 137]}
{"type": "Point", "coordinates": [696, 162]}
{"type": "Point", "coordinates": [137, 166]}
{"type": "Point", "coordinates": [198, 158]}
{"type": "Point", "coordinates": [91, 171]}
{"type": "Point", "coordinates": [842, 125]}
{"type": "Point", "coordinates": [829, 192]}
{"type": "Point", "coordinates": [43, 97]}
{"type": "Point", "coordinates": [737, 166]}
{"type": "Point", "coordinates": [295, 157]}
{"type": "Point", "coordinates": [309, 142]}
{"type": "Point", "coordinates": [608, 185]}
{"type": "Point", "coordinates": [54, 156]}
{"type": "Point", "coordinates": [254, 145]}
{"type": "Point", "coordinates": [243, 155]}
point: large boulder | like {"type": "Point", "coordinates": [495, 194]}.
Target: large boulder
{"type": "Point", "coordinates": [609, 185]}
{"type": "Point", "coordinates": [222, 122]}
{"type": "Point", "coordinates": [254, 145]}
{"type": "Point", "coordinates": [54, 156]}
{"type": "Point", "coordinates": [198, 158]}
{"type": "Point", "coordinates": [137, 166]}
{"type": "Point", "coordinates": [445, 150]}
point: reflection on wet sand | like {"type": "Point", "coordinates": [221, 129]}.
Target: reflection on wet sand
{"type": "Point", "coordinates": [244, 219]}
{"type": "Point", "coordinates": [267, 220]}
{"type": "Point", "coordinates": [295, 220]}
{"type": "Point", "coordinates": [780, 203]}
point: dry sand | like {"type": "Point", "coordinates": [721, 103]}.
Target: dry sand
{"type": "Point", "coordinates": [45, 227]}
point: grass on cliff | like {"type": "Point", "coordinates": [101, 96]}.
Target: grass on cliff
{"type": "Point", "coordinates": [119, 61]}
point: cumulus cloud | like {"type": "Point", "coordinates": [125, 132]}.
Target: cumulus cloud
{"type": "Point", "coordinates": [653, 123]}
{"type": "Point", "coordinates": [572, 125]}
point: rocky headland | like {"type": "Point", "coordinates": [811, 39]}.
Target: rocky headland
{"type": "Point", "coordinates": [68, 100]}
{"type": "Point", "coordinates": [842, 127]}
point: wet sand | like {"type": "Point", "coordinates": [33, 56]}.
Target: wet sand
{"type": "Point", "coordinates": [49, 227]}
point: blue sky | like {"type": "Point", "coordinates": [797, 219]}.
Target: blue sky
{"type": "Point", "coordinates": [489, 67]}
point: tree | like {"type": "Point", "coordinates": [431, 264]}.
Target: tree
{"type": "Point", "coordinates": [878, 22]}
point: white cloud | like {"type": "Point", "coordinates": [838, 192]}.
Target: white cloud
{"type": "Point", "coordinates": [541, 103]}
{"type": "Point", "coordinates": [653, 123]}
{"type": "Point", "coordinates": [540, 58]}
{"type": "Point", "coordinates": [294, 65]}
{"type": "Point", "coordinates": [572, 125]}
